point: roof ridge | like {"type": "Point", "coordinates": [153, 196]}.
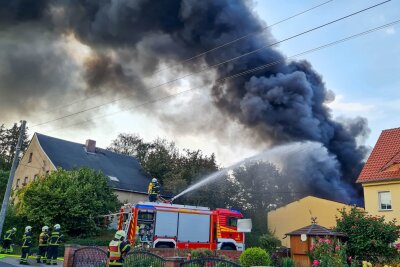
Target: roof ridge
{"type": "Point", "coordinates": [76, 143]}
{"type": "Point", "coordinates": [391, 129]}
{"type": "Point", "coordinates": [59, 138]}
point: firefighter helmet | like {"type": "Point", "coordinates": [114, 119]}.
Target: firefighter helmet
{"type": "Point", "coordinates": [57, 227]}
{"type": "Point", "coordinates": [154, 180]}
{"type": "Point", "coordinates": [119, 234]}
{"type": "Point", "coordinates": [45, 228]}
{"type": "Point", "coordinates": [28, 229]}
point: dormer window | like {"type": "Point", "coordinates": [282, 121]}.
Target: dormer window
{"type": "Point", "coordinates": [113, 178]}
{"type": "Point", "coordinates": [393, 168]}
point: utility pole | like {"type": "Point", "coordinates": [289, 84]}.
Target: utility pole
{"type": "Point", "coordinates": [7, 194]}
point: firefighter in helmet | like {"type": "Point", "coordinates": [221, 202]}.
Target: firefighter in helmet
{"type": "Point", "coordinates": [26, 245]}
{"type": "Point", "coordinates": [55, 239]}
{"type": "Point", "coordinates": [8, 240]}
{"type": "Point", "coordinates": [118, 249]}
{"type": "Point", "coordinates": [154, 190]}
{"type": "Point", "coordinates": [43, 240]}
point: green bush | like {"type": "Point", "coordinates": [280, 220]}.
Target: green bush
{"type": "Point", "coordinates": [370, 237]}
{"type": "Point", "coordinates": [269, 242]}
{"type": "Point", "coordinates": [201, 253]}
{"type": "Point", "coordinates": [287, 262]}
{"type": "Point", "coordinates": [255, 257]}
{"type": "Point", "coordinates": [74, 199]}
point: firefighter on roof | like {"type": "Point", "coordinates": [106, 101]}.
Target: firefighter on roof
{"type": "Point", "coordinates": [154, 190]}
{"type": "Point", "coordinates": [8, 240]}
{"type": "Point", "coordinates": [43, 240]}
{"type": "Point", "coordinates": [118, 249]}
{"type": "Point", "coordinates": [54, 241]}
{"type": "Point", "coordinates": [26, 245]}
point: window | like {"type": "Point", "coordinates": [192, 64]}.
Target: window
{"type": "Point", "coordinates": [25, 181]}
{"type": "Point", "coordinates": [30, 157]}
{"type": "Point", "coordinates": [231, 221]}
{"type": "Point", "coordinates": [385, 201]}
{"type": "Point", "coordinates": [17, 184]}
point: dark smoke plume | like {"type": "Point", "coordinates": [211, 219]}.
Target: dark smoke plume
{"type": "Point", "coordinates": [133, 39]}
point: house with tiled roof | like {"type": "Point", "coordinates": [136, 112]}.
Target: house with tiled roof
{"type": "Point", "coordinates": [380, 176]}
{"type": "Point", "coordinates": [46, 154]}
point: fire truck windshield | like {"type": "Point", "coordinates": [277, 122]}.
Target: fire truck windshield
{"type": "Point", "coordinates": [232, 221]}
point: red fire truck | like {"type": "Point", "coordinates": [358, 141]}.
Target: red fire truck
{"type": "Point", "coordinates": [162, 225]}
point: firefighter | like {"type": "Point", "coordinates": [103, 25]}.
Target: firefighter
{"type": "Point", "coordinates": [8, 240]}
{"type": "Point", "coordinates": [26, 245]}
{"type": "Point", "coordinates": [55, 239]}
{"type": "Point", "coordinates": [43, 240]}
{"type": "Point", "coordinates": [154, 190]}
{"type": "Point", "coordinates": [118, 249]}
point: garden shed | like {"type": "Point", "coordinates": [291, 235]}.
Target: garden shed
{"type": "Point", "coordinates": [302, 239]}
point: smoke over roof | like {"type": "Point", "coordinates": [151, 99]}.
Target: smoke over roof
{"type": "Point", "coordinates": [130, 40]}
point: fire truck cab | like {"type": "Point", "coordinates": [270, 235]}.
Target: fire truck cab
{"type": "Point", "coordinates": [162, 225]}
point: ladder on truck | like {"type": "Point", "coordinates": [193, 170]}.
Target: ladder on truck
{"type": "Point", "coordinates": [127, 223]}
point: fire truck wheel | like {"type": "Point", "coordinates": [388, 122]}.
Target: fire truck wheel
{"type": "Point", "coordinates": [228, 247]}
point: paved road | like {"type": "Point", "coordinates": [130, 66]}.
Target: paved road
{"type": "Point", "coordinates": [13, 262]}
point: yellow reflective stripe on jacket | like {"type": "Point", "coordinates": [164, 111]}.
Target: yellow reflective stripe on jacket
{"type": "Point", "coordinates": [116, 263]}
{"type": "Point", "coordinates": [125, 248]}
{"type": "Point", "coordinates": [54, 238]}
{"type": "Point", "coordinates": [27, 241]}
{"type": "Point", "coordinates": [8, 235]}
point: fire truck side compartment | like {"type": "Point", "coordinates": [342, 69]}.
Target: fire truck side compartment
{"type": "Point", "coordinates": [166, 224]}
{"type": "Point", "coordinates": [193, 227]}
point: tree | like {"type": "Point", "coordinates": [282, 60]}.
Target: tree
{"type": "Point", "coordinates": [369, 236]}
{"type": "Point", "coordinates": [131, 145]}
{"type": "Point", "coordinates": [73, 199]}
{"type": "Point", "coordinates": [255, 188]}
{"type": "Point", "coordinates": [8, 143]}
{"type": "Point", "coordinates": [162, 159]}
{"type": "Point", "coordinates": [269, 242]}
{"type": "Point", "coordinates": [3, 183]}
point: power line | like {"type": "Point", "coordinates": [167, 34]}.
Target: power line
{"type": "Point", "coordinates": [262, 30]}
{"type": "Point", "coordinates": [238, 74]}
{"type": "Point", "coordinates": [215, 65]}
{"type": "Point", "coordinates": [245, 36]}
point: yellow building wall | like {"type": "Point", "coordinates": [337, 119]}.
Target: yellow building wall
{"type": "Point", "coordinates": [130, 197]}
{"type": "Point", "coordinates": [371, 200]}
{"type": "Point", "coordinates": [297, 215]}
{"type": "Point", "coordinates": [38, 167]}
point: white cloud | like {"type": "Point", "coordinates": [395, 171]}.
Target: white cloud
{"type": "Point", "coordinates": [340, 105]}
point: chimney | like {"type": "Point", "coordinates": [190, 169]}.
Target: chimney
{"type": "Point", "coordinates": [90, 146]}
